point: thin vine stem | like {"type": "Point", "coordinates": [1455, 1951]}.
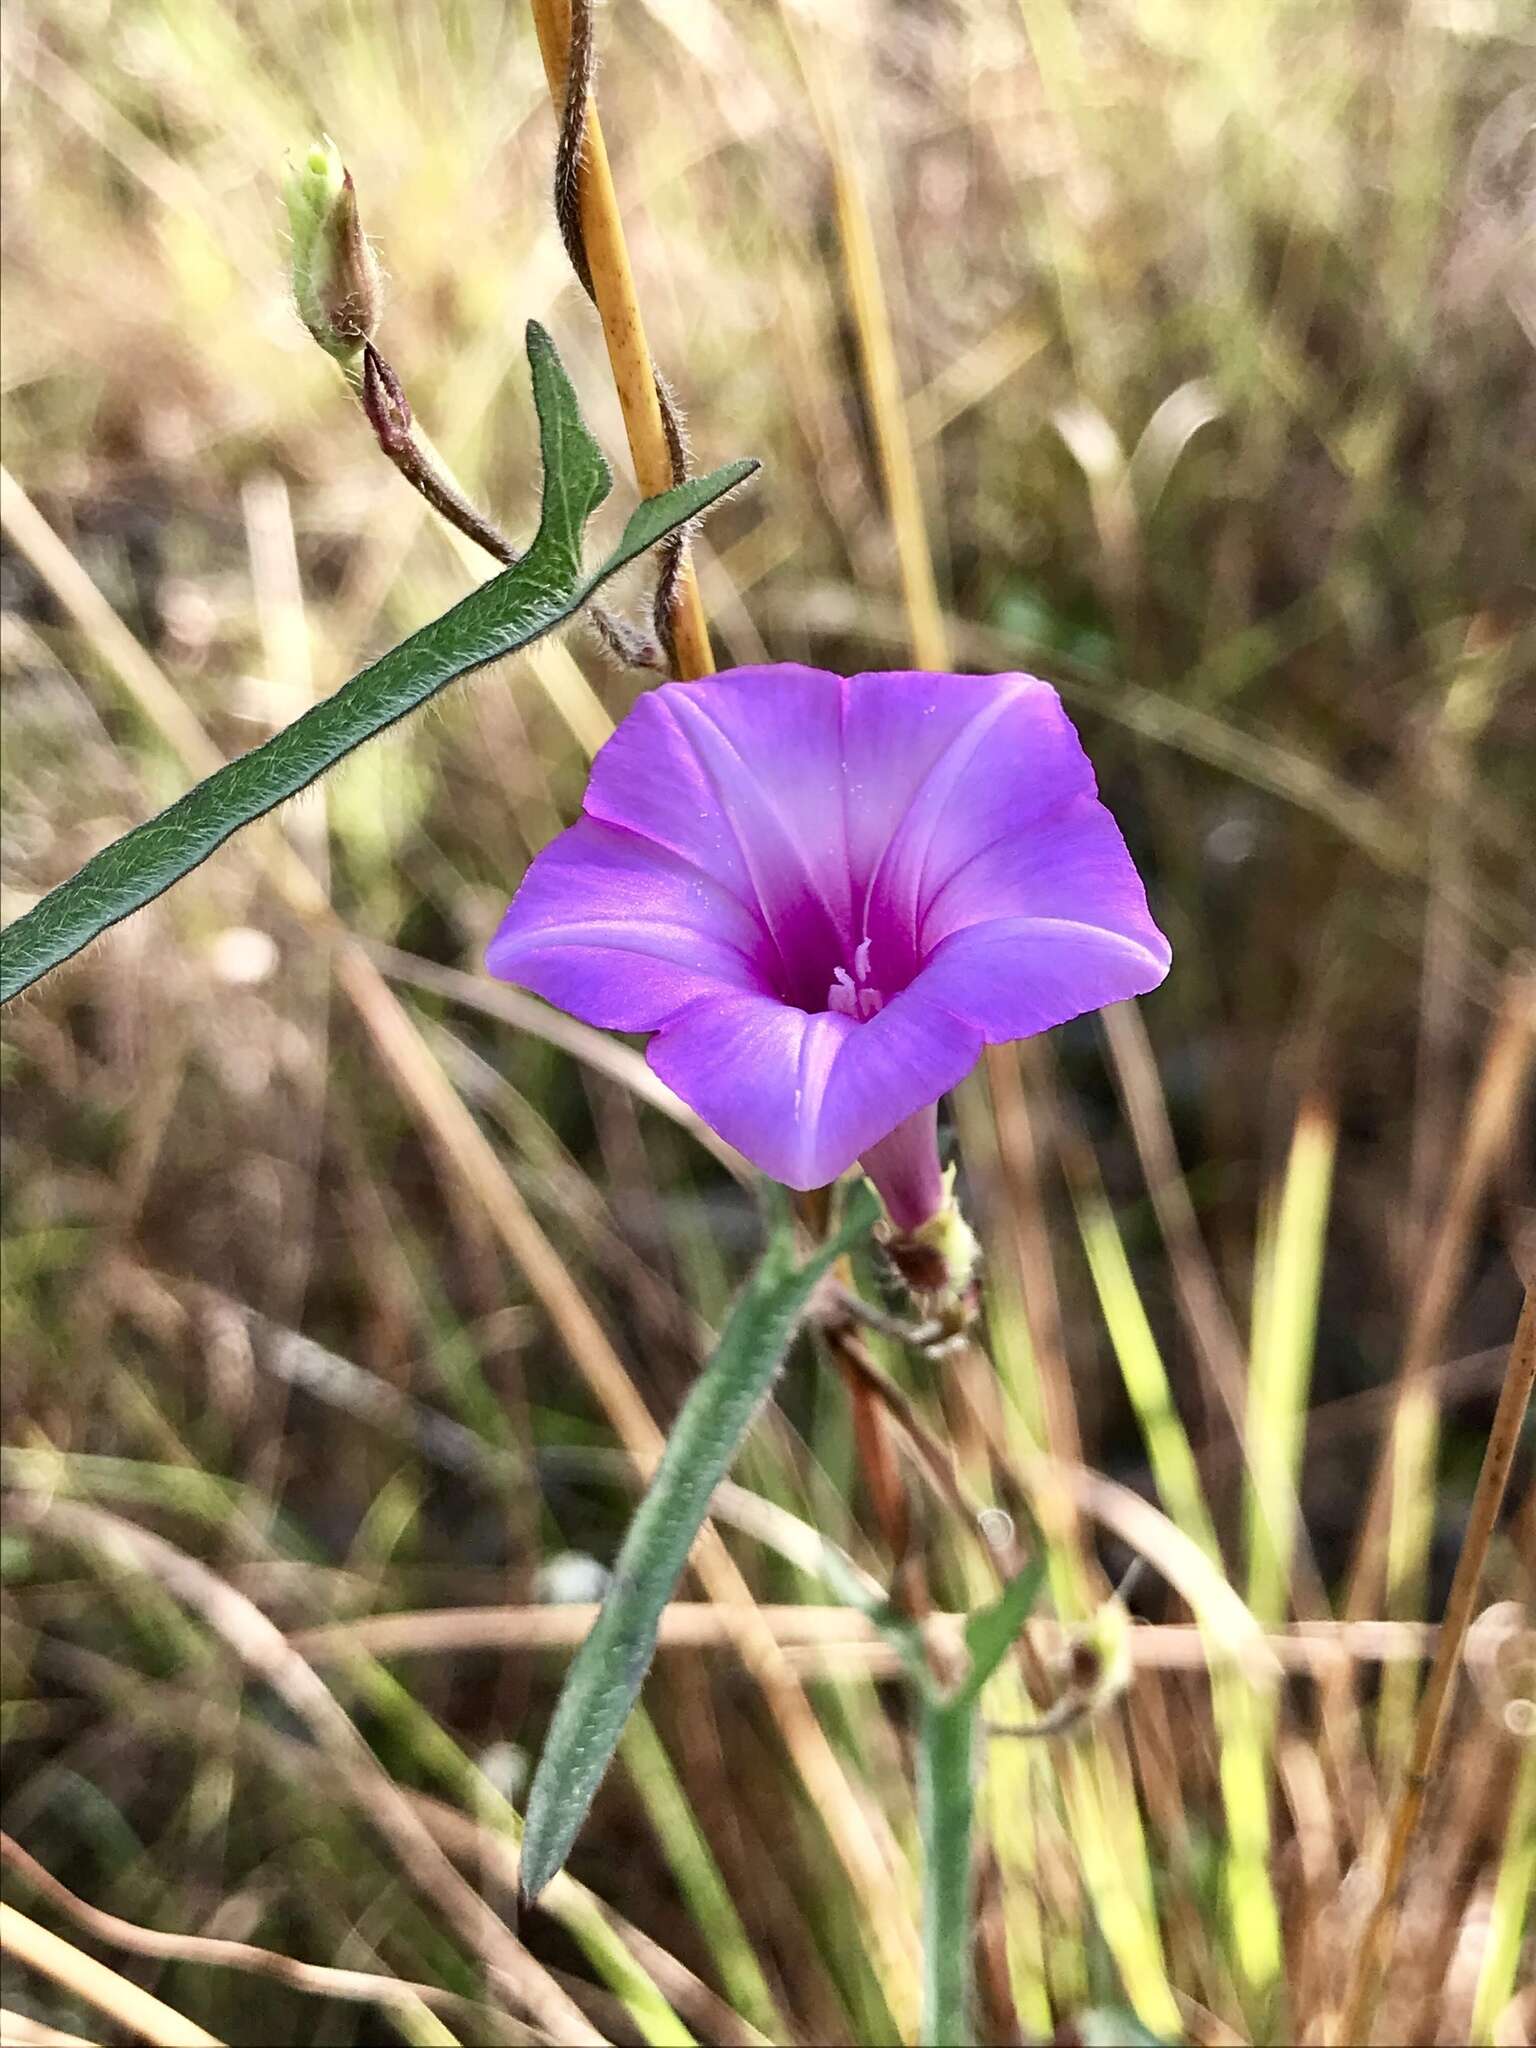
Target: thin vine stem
{"type": "Point", "coordinates": [380, 393]}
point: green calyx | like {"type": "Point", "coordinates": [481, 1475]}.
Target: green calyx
{"type": "Point", "coordinates": [938, 1260]}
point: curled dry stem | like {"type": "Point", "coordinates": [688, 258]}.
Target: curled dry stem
{"type": "Point", "coordinates": [266, 1654]}
{"type": "Point", "coordinates": [38, 1948]}
{"type": "Point", "coordinates": [928, 1336]}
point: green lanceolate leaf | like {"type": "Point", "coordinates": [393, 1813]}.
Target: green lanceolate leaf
{"type": "Point", "coordinates": [992, 1631]}
{"type": "Point", "coordinates": [605, 1678]}
{"type": "Point", "coordinates": [945, 1810]}
{"type": "Point", "coordinates": [946, 1766]}
{"type": "Point", "coordinates": [541, 591]}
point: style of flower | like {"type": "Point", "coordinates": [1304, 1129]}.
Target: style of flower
{"type": "Point", "coordinates": [824, 895]}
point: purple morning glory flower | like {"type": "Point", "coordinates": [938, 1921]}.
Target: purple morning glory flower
{"type": "Point", "coordinates": [824, 895]}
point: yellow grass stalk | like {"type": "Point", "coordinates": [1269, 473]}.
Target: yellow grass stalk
{"type": "Point", "coordinates": [1093, 1791]}
{"type": "Point", "coordinates": [877, 350]}
{"type": "Point", "coordinates": [1513, 1892]}
{"type": "Point", "coordinates": [1243, 1716]}
{"type": "Point", "coordinates": [613, 286]}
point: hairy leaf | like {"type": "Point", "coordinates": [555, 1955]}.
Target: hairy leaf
{"type": "Point", "coordinates": [992, 1631]}
{"type": "Point", "coordinates": [542, 590]}
{"type": "Point", "coordinates": [605, 1678]}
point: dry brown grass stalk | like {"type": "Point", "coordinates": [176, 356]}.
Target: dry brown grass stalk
{"type": "Point", "coordinates": [267, 1655]}
{"type": "Point", "coordinates": [325, 1981]}
{"type": "Point", "coordinates": [1308, 1649]}
{"type": "Point", "coordinates": [1503, 1442]}
{"type": "Point", "coordinates": [126, 2004]}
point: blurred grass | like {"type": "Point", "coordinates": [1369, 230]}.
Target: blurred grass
{"type": "Point", "coordinates": [1210, 340]}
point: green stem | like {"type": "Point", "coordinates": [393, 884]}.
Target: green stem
{"type": "Point", "coordinates": [945, 1806]}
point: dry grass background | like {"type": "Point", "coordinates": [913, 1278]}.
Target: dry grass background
{"type": "Point", "coordinates": [1213, 339]}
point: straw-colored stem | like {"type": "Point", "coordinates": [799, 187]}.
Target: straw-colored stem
{"type": "Point", "coordinates": [877, 351]}
{"type": "Point", "coordinates": [887, 407]}
{"type": "Point", "coordinates": [1503, 1439]}
{"type": "Point", "coordinates": [613, 286]}
{"type": "Point", "coordinates": [358, 1986]}
{"type": "Point", "coordinates": [125, 2004]}
{"type": "Point", "coordinates": [1401, 1482]}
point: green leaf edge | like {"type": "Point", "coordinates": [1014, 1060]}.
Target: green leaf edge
{"type": "Point", "coordinates": [992, 1631]}
{"type": "Point", "coordinates": [530, 598]}
{"type": "Point", "coordinates": [608, 1670]}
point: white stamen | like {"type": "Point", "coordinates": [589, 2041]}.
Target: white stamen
{"type": "Point", "coordinates": [842, 996]}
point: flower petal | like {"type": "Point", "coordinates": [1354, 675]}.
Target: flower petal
{"type": "Point", "coordinates": [1045, 921]}
{"type": "Point", "coordinates": [803, 1095]}
{"type": "Point", "coordinates": [756, 1070]}
{"type": "Point", "coordinates": [1071, 865]}
{"type": "Point", "coordinates": [1014, 976]}
{"type": "Point", "coordinates": [742, 774]}
{"type": "Point", "coordinates": [918, 1047]}
{"type": "Point", "coordinates": [622, 933]}
{"type": "Point", "coordinates": [938, 767]}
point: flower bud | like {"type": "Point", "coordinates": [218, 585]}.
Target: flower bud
{"type": "Point", "coordinates": [1097, 1660]}
{"type": "Point", "coordinates": [336, 281]}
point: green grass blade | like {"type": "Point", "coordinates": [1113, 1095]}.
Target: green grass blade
{"type": "Point", "coordinates": [1514, 1891]}
{"type": "Point", "coordinates": [693, 1864]}
{"type": "Point", "coordinates": [946, 1801]}
{"type": "Point", "coordinates": [539, 592]}
{"type": "Point", "coordinates": [1286, 1288]}
{"type": "Point", "coordinates": [1244, 1723]}
{"type": "Point", "coordinates": [605, 1679]}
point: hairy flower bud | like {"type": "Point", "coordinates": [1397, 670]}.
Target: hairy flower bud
{"type": "Point", "coordinates": [336, 280]}
{"type": "Point", "coordinates": [937, 1260]}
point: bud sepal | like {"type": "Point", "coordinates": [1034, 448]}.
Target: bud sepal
{"type": "Point", "coordinates": [937, 1261]}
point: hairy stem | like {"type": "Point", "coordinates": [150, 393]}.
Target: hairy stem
{"type": "Point", "coordinates": [945, 1810]}
{"type": "Point", "coordinates": [382, 397]}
